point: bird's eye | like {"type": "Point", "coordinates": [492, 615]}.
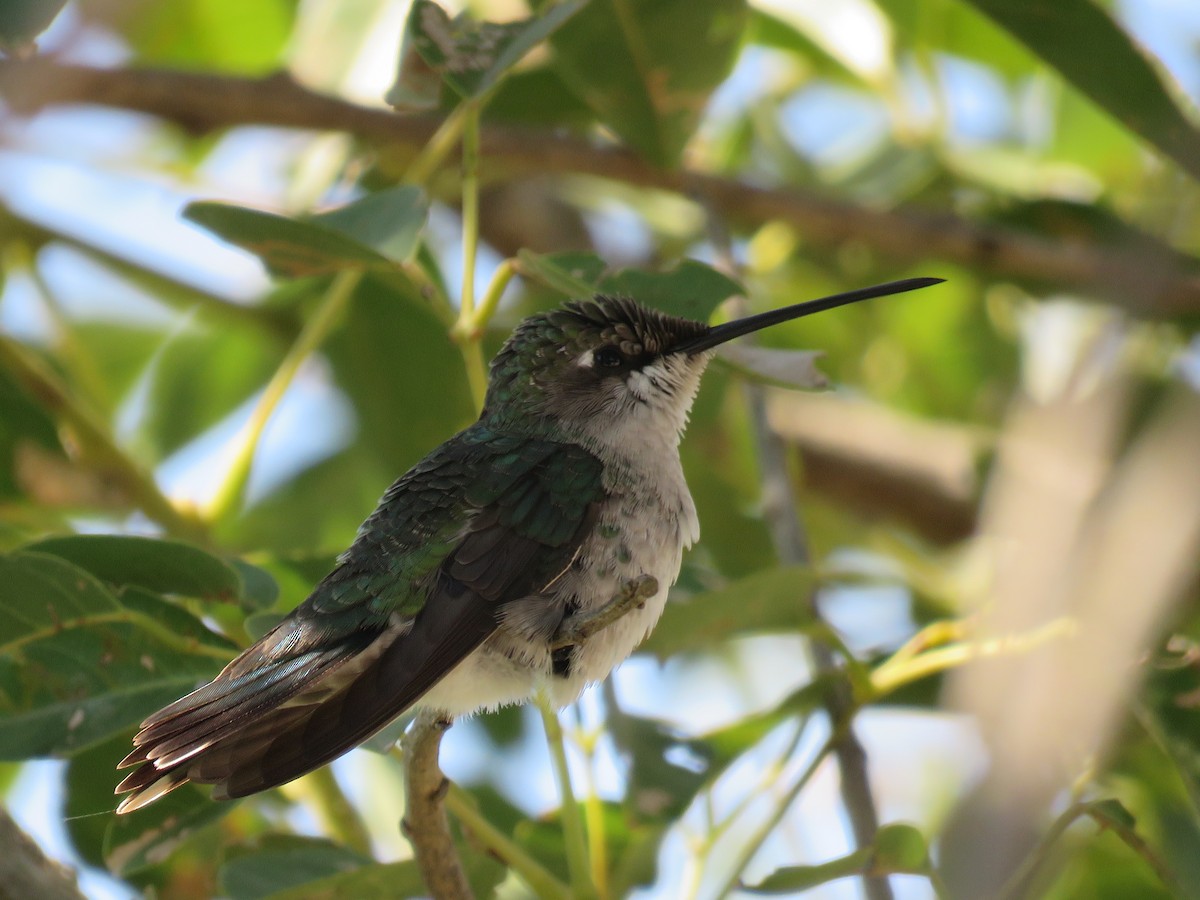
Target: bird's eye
{"type": "Point", "coordinates": [608, 358]}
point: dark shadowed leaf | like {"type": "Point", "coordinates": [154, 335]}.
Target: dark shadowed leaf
{"type": "Point", "coordinates": [379, 230]}
{"type": "Point", "coordinates": [77, 666]}
{"type": "Point", "coordinates": [165, 566]}
{"type": "Point", "coordinates": [691, 289]}
{"type": "Point", "coordinates": [139, 838]}
{"type": "Point", "coordinates": [23, 20]}
{"type": "Point", "coordinates": [636, 64]}
{"type": "Point", "coordinates": [281, 862]}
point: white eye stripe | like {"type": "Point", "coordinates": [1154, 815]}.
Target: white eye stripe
{"type": "Point", "coordinates": [586, 360]}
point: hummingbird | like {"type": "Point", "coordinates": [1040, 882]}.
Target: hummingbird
{"type": "Point", "coordinates": [458, 589]}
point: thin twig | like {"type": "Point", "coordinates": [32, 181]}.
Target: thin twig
{"type": "Point", "coordinates": [541, 880]}
{"type": "Point", "coordinates": [425, 823]}
{"type": "Point", "coordinates": [792, 548]}
{"type": "Point", "coordinates": [229, 495]}
{"type": "Point", "coordinates": [1159, 287]}
{"type": "Point", "coordinates": [94, 440]}
{"type": "Point", "coordinates": [574, 830]}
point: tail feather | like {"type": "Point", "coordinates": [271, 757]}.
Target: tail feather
{"type": "Point", "coordinates": [268, 726]}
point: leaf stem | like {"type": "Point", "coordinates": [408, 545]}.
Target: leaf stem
{"type": "Point", "coordinates": [95, 442]}
{"type": "Point", "coordinates": [760, 834]}
{"type": "Point", "coordinates": [471, 350]}
{"type": "Point", "coordinates": [578, 865]}
{"type": "Point", "coordinates": [438, 147]}
{"type": "Point", "coordinates": [336, 813]}
{"type": "Point", "coordinates": [229, 495]}
{"type": "Point", "coordinates": [905, 667]}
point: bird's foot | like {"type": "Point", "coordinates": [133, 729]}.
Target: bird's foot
{"type": "Point", "coordinates": [578, 628]}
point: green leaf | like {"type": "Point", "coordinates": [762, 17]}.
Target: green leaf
{"type": "Point", "coordinates": [197, 377]}
{"type": "Point", "coordinates": [23, 20]}
{"type": "Point", "coordinates": [225, 35]}
{"type": "Point", "coordinates": [259, 589]}
{"type": "Point", "coordinates": [145, 837]}
{"type": "Point", "coordinates": [281, 862]}
{"type": "Point", "coordinates": [132, 841]}
{"type": "Point", "coordinates": [165, 566]}
{"type": "Point", "coordinates": [690, 289]}
{"type": "Point", "coordinates": [1091, 51]}
{"type": "Point", "coordinates": [388, 221]}
{"type": "Point", "coordinates": [637, 64]}
{"type": "Point", "coordinates": [471, 57]}
{"type": "Point", "coordinates": [379, 881]}
{"type": "Point", "coordinates": [771, 600]}
{"type": "Point", "coordinates": [77, 666]}
{"type": "Point", "coordinates": [376, 231]}
{"type": "Point", "coordinates": [660, 787]}
{"type": "Point", "coordinates": [788, 368]}
{"type": "Point", "coordinates": [571, 274]}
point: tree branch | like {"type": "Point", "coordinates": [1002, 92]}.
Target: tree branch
{"type": "Point", "coordinates": [425, 822]}
{"type": "Point", "coordinates": [27, 872]}
{"type": "Point", "coordinates": [1164, 286]}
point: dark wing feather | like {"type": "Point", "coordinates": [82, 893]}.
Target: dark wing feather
{"type": "Point", "coordinates": [483, 520]}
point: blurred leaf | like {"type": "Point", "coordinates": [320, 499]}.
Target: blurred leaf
{"type": "Point", "coordinates": [1102, 61]}
{"type": "Point", "coordinates": [767, 30]}
{"type": "Point", "coordinates": [379, 230]}
{"type": "Point", "coordinates": [140, 838]}
{"type": "Point", "coordinates": [388, 221]}
{"type": "Point", "coordinates": [789, 368]}
{"type": "Point", "coordinates": [690, 289]}
{"type": "Point", "coordinates": [76, 665]}
{"type": "Point", "coordinates": [23, 425]}
{"type": "Point", "coordinates": [771, 600]}
{"type": "Point", "coordinates": [537, 97]}
{"type": "Point", "coordinates": [165, 566]}
{"type": "Point", "coordinates": [390, 349]}
{"type": "Point", "coordinates": [146, 836]}
{"type": "Point", "coordinates": [572, 274]}
{"type": "Point", "coordinates": [961, 30]}
{"type": "Point", "coordinates": [23, 20]}
{"type": "Point", "coordinates": [666, 769]}
{"type": "Point", "coordinates": [281, 862]}
{"type": "Point", "coordinates": [197, 378]}
{"type": "Point", "coordinates": [470, 56]}
{"type": "Point", "coordinates": [226, 35]}
{"type": "Point", "coordinates": [1170, 701]}
{"type": "Point", "coordinates": [386, 881]}
{"type": "Point", "coordinates": [634, 62]}
{"type": "Point", "coordinates": [259, 589]}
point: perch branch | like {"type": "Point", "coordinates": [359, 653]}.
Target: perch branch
{"type": "Point", "coordinates": [200, 102]}
{"type": "Point", "coordinates": [425, 823]}
{"type": "Point", "coordinates": [27, 872]}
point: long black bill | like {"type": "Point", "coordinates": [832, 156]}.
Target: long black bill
{"type": "Point", "coordinates": [721, 333]}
